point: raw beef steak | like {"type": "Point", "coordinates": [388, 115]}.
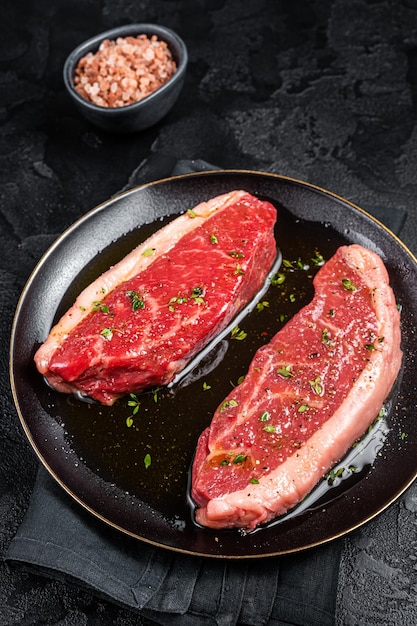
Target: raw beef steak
{"type": "Point", "coordinates": [139, 324]}
{"type": "Point", "coordinates": [308, 396]}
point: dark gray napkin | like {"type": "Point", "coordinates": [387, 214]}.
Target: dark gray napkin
{"type": "Point", "coordinates": [58, 538]}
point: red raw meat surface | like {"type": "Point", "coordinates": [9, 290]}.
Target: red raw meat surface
{"type": "Point", "coordinates": [146, 329]}
{"type": "Point", "coordinates": [308, 395]}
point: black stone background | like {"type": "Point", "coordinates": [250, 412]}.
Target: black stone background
{"type": "Point", "coordinates": [323, 90]}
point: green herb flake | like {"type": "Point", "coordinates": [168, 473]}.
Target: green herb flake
{"type": "Point", "coordinates": [264, 417]}
{"type": "Point", "coordinates": [206, 386]}
{"type": "Point", "coordinates": [136, 300]}
{"type": "Point", "coordinates": [285, 371]}
{"type": "Point", "coordinates": [107, 333]}
{"type": "Point", "coordinates": [213, 238]}
{"type": "Point", "coordinates": [278, 279]}
{"type": "Point", "coordinates": [148, 252]}
{"type": "Point", "coordinates": [238, 334]}
{"type": "Point", "coordinates": [325, 337]}
{"type": "Point", "coordinates": [300, 265]}
{"type": "Point", "coordinates": [134, 403]}
{"type": "Point", "coordinates": [147, 460]}
{"type": "Point", "coordinates": [370, 347]}
{"type": "Point", "coordinates": [339, 472]}
{"type": "Point", "coordinates": [176, 300]}
{"type": "Point", "coordinates": [197, 295]}
{"type": "Point", "coordinates": [292, 297]}
{"type": "Point", "coordinates": [348, 285]}
{"type": "Point", "coordinates": [317, 259]}
{"type": "Point", "coordinates": [239, 271]}
{"type": "Point", "coordinates": [317, 385]}
{"type": "Point", "coordinates": [228, 404]}
{"type": "Point", "coordinates": [269, 428]}
{"type": "Point", "coordinates": [254, 481]}
{"type": "Point", "coordinates": [303, 408]}
{"type": "Point", "coordinates": [99, 306]}
{"type": "Point", "coordinates": [239, 458]}
{"type": "Point", "coordinates": [191, 214]}
{"type": "Point", "coordinates": [236, 255]}
{"type": "Point", "coordinates": [129, 421]}
{"type": "Point", "coordinates": [262, 305]}
{"type": "Point", "coordinates": [224, 462]}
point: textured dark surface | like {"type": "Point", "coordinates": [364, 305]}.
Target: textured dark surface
{"type": "Point", "coordinates": [324, 91]}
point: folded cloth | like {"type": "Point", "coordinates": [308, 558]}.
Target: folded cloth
{"type": "Point", "coordinates": [59, 539]}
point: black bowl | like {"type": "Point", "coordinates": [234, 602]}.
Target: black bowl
{"type": "Point", "coordinates": [141, 114]}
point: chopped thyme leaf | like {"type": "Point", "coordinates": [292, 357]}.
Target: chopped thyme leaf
{"type": "Point", "coordinates": [264, 417]}
{"type": "Point", "coordinates": [301, 265]}
{"type": "Point", "coordinates": [302, 408]}
{"type": "Point", "coordinates": [285, 371]}
{"type": "Point", "coordinates": [107, 333]}
{"type": "Point", "coordinates": [236, 255]}
{"type": "Point", "coordinates": [191, 213]}
{"type": "Point", "coordinates": [148, 252]}
{"type": "Point", "coordinates": [197, 291]}
{"type": "Point", "coordinates": [99, 306]}
{"type": "Point", "coordinates": [213, 238]}
{"type": "Point", "coordinates": [317, 385]}
{"type": "Point", "coordinates": [277, 279]}
{"type": "Point", "coordinates": [317, 259]}
{"type": "Point", "coordinates": [197, 295]}
{"type": "Point", "coordinates": [224, 462]}
{"type": "Point", "coordinates": [238, 334]}
{"type": "Point", "coordinates": [339, 472]}
{"type": "Point", "coordinates": [254, 481]}
{"type": "Point", "coordinates": [239, 458]}
{"type": "Point", "coordinates": [136, 300]}
{"type": "Point", "coordinates": [228, 404]}
{"type": "Point", "coordinates": [262, 305]}
{"type": "Point", "coordinates": [206, 386]}
{"type": "Point", "coordinates": [134, 402]}
{"type": "Point", "coordinates": [348, 285]}
{"type": "Point", "coordinates": [176, 300]}
{"type": "Point", "coordinates": [239, 270]}
{"type": "Point", "coordinates": [333, 474]}
{"type": "Point", "coordinates": [325, 336]}
{"type": "Point", "coordinates": [269, 428]}
{"type": "Point", "coordinates": [147, 460]}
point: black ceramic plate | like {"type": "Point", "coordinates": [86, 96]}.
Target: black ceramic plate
{"type": "Point", "coordinates": [99, 460]}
